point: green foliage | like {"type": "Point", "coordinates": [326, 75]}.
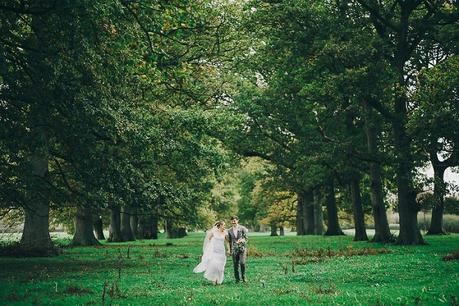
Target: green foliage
{"type": "Point", "coordinates": [123, 93]}
{"type": "Point", "coordinates": [138, 104]}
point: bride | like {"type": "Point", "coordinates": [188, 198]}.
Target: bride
{"type": "Point", "coordinates": [213, 258]}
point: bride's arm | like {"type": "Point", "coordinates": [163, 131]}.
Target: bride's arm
{"type": "Point", "coordinates": [228, 243]}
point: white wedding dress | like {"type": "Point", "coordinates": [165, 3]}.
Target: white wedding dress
{"type": "Point", "coordinates": [213, 259]}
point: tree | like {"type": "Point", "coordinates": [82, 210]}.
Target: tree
{"type": "Point", "coordinates": [108, 133]}
{"type": "Point", "coordinates": [400, 27]}
{"type": "Point", "coordinates": [432, 123]}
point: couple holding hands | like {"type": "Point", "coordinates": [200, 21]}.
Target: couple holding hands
{"type": "Point", "coordinates": [213, 259]}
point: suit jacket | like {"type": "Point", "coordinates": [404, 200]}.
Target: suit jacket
{"type": "Point", "coordinates": [241, 233]}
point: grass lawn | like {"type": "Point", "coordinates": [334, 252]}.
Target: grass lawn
{"type": "Point", "coordinates": [287, 270]}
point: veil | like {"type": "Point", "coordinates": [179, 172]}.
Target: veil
{"type": "Point", "coordinates": [207, 249]}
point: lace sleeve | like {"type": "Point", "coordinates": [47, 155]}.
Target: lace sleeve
{"type": "Point", "coordinates": [207, 240]}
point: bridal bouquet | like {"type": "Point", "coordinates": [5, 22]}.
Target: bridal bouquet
{"type": "Point", "coordinates": [240, 245]}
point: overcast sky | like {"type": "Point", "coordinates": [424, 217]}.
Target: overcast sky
{"type": "Point", "coordinates": [451, 175]}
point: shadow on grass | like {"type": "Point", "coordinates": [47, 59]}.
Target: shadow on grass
{"type": "Point", "coordinates": [453, 256]}
{"type": "Point", "coordinates": [44, 268]}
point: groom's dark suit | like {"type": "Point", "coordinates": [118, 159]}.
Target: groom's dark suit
{"type": "Point", "coordinates": [239, 257]}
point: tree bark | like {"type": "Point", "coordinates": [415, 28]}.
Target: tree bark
{"type": "Point", "coordinates": [382, 230]}
{"type": "Point", "coordinates": [84, 234]}
{"type": "Point", "coordinates": [35, 235]}
{"type": "Point", "coordinates": [359, 217]}
{"type": "Point", "coordinates": [407, 207]}
{"type": "Point", "coordinates": [114, 233]}
{"type": "Point", "coordinates": [126, 231]}
{"type": "Point", "coordinates": [309, 213]}
{"type": "Point", "coordinates": [436, 223]}
{"type": "Point", "coordinates": [148, 227]}
{"type": "Point", "coordinates": [309, 220]}
{"type": "Point", "coordinates": [299, 215]}
{"type": "Point", "coordinates": [99, 228]}
{"type": "Point", "coordinates": [318, 214]}
{"type": "Point", "coordinates": [333, 227]}
{"type": "Point", "coordinates": [173, 231]}
{"type": "Point", "coordinates": [154, 226]}
{"type": "Point", "coordinates": [281, 231]}
{"type": "Point", "coordinates": [273, 229]}
{"type": "Point", "coordinates": [134, 221]}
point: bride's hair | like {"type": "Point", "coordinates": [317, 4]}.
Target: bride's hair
{"type": "Point", "coordinates": [219, 223]}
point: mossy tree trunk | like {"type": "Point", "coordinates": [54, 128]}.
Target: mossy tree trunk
{"type": "Point", "coordinates": [174, 231]}
{"type": "Point", "coordinates": [273, 229]}
{"type": "Point", "coordinates": [333, 227]}
{"type": "Point", "coordinates": [299, 215]}
{"type": "Point", "coordinates": [114, 233]}
{"type": "Point", "coordinates": [126, 230]}
{"type": "Point", "coordinates": [134, 221]}
{"type": "Point", "coordinates": [318, 214]}
{"type": "Point", "coordinates": [84, 224]}
{"type": "Point", "coordinates": [148, 227]}
{"type": "Point", "coordinates": [436, 223]}
{"type": "Point", "coordinates": [382, 230]}
{"type": "Point", "coordinates": [35, 235]}
{"type": "Point", "coordinates": [99, 228]}
{"type": "Point", "coordinates": [281, 231]}
{"type": "Point", "coordinates": [359, 217]}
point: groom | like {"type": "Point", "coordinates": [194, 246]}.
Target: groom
{"type": "Point", "coordinates": [237, 236]}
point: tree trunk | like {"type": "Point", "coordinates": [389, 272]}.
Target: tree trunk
{"type": "Point", "coordinates": [126, 231]}
{"type": "Point", "coordinates": [173, 231]}
{"type": "Point", "coordinates": [318, 214]}
{"type": "Point", "coordinates": [181, 232]}
{"type": "Point", "coordinates": [134, 221]}
{"type": "Point", "coordinates": [436, 223]}
{"type": "Point", "coordinates": [35, 235]}
{"type": "Point", "coordinates": [403, 48]}
{"type": "Point", "coordinates": [281, 231]}
{"type": "Point", "coordinates": [273, 229]}
{"type": "Point", "coordinates": [84, 234]}
{"type": "Point", "coordinates": [154, 226]}
{"type": "Point", "coordinates": [309, 212]}
{"type": "Point", "coordinates": [382, 230]}
{"type": "Point", "coordinates": [407, 206]}
{"type": "Point", "coordinates": [143, 228]}
{"type": "Point", "coordinates": [148, 227]}
{"type": "Point", "coordinates": [333, 227]}
{"type": "Point", "coordinates": [299, 215]}
{"type": "Point", "coordinates": [114, 233]}
{"type": "Point", "coordinates": [359, 217]}
{"type": "Point", "coordinates": [99, 228]}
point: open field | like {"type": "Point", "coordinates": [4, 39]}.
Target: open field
{"type": "Point", "coordinates": [281, 270]}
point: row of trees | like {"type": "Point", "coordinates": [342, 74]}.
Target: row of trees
{"type": "Point", "coordinates": [351, 94]}
{"type": "Point", "coordinates": [108, 106]}
{"type": "Point", "coordinates": [131, 107]}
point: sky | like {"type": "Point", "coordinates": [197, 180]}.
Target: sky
{"type": "Point", "coordinates": [451, 175]}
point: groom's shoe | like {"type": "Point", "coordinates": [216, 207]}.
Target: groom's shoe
{"type": "Point", "coordinates": [236, 275]}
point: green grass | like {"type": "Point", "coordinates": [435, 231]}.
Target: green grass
{"type": "Point", "coordinates": [161, 274]}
